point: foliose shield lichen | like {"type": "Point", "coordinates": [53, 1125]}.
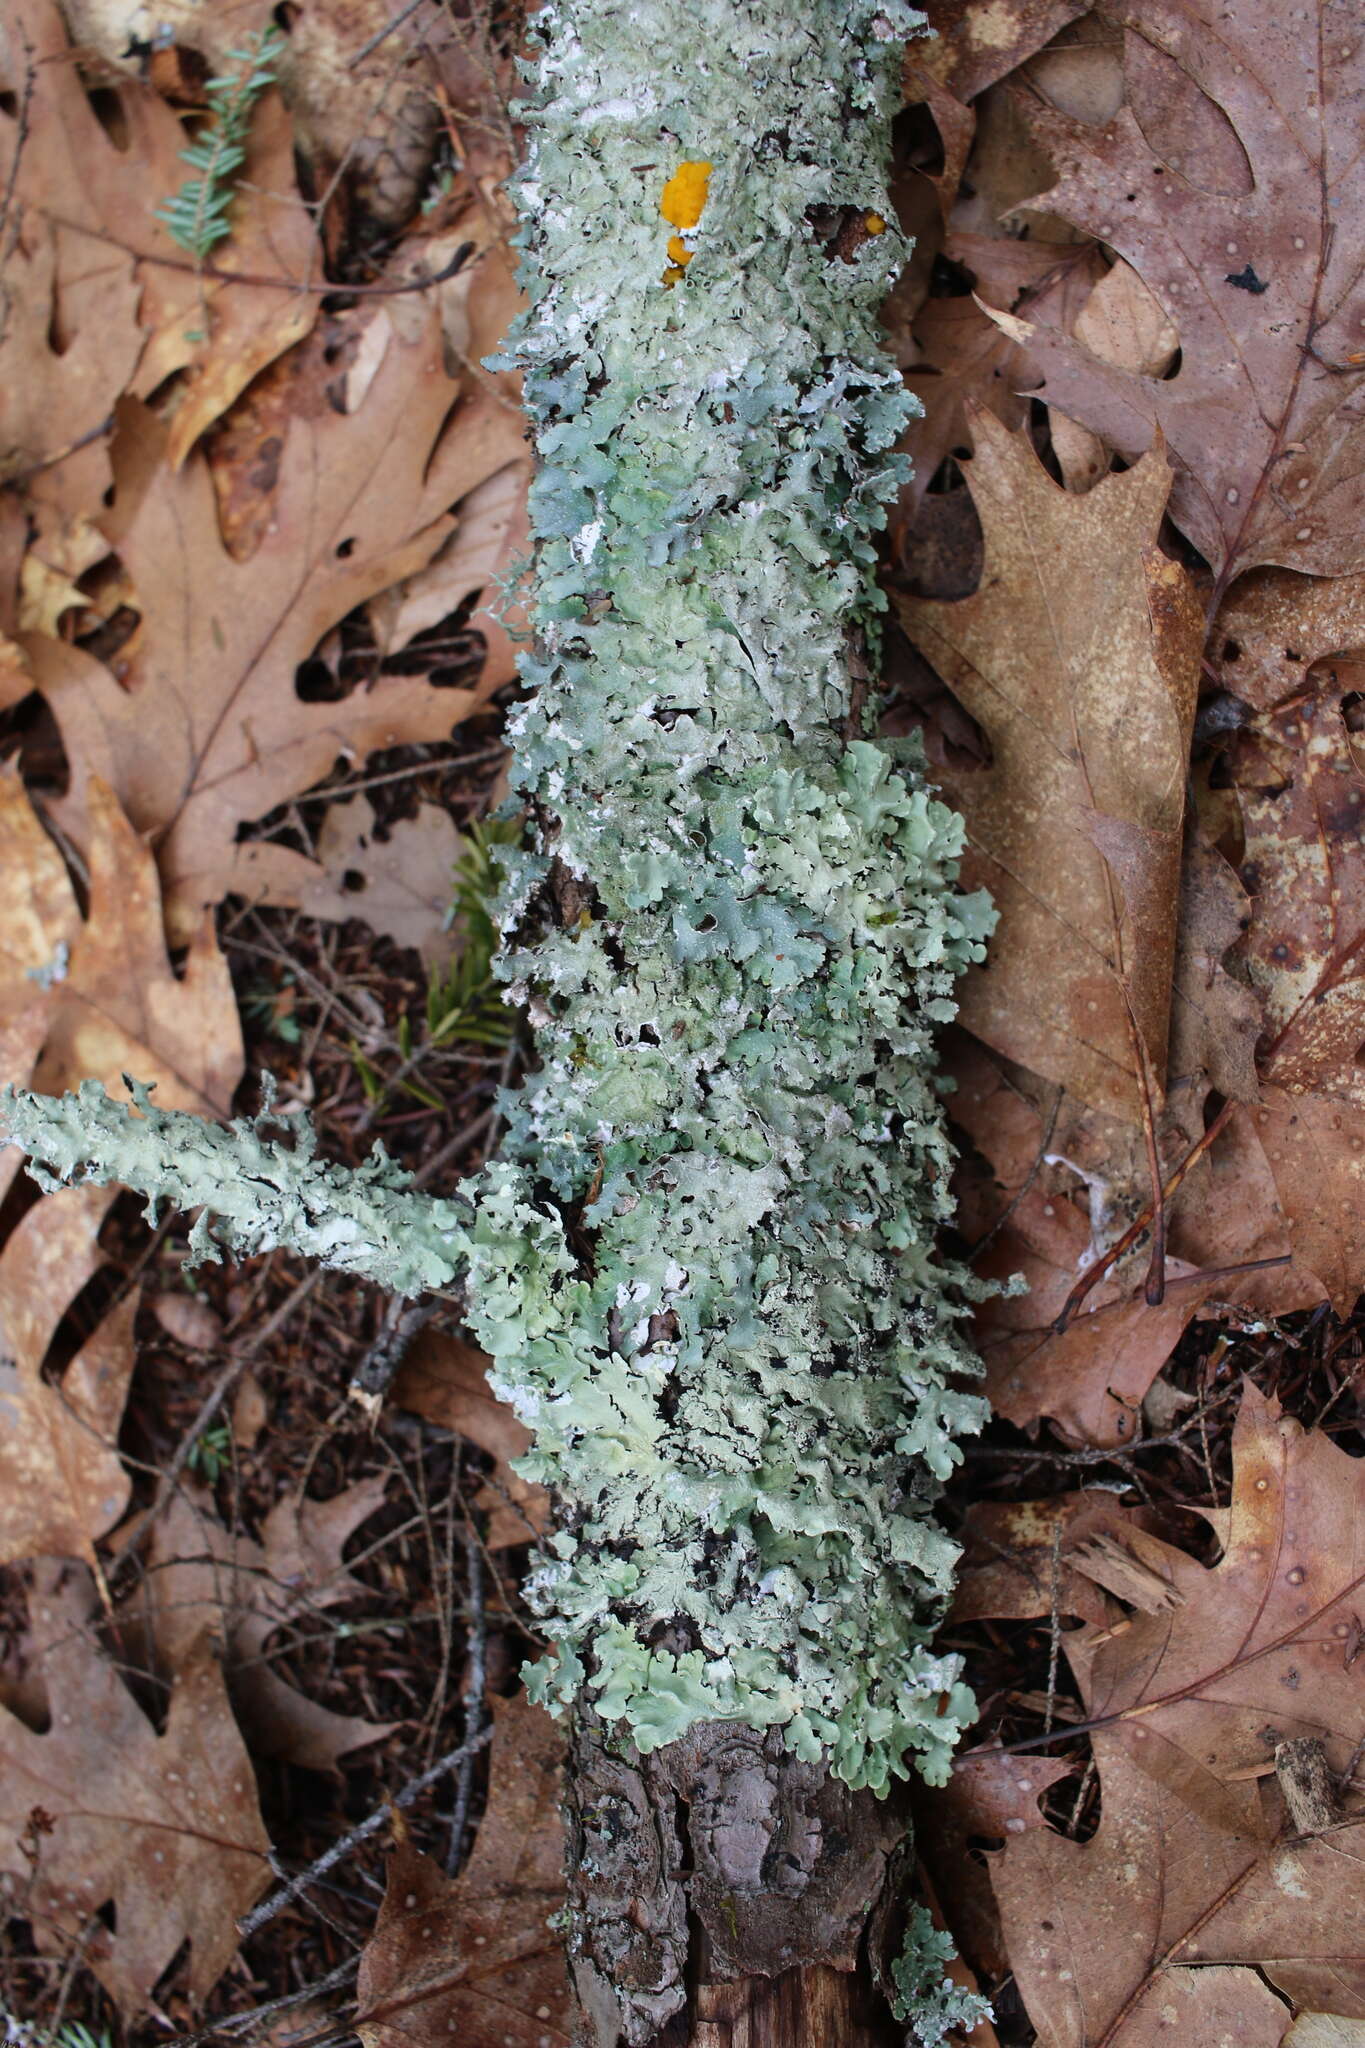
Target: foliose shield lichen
{"type": "Point", "coordinates": [743, 1384]}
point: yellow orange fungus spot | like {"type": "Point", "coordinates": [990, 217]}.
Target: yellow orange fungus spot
{"type": "Point", "coordinates": [678, 251]}
{"type": "Point", "coordinates": [873, 224]}
{"type": "Point", "coordinates": [672, 275]}
{"type": "Point", "coordinates": [684, 195]}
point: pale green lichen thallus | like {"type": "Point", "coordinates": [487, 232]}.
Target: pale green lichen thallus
{"type": "Point", "coordinates": [746, 1392]}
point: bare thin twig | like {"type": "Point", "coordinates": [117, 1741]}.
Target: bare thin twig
{"type": "Point", "coordinates": [1094, 1274]}
{"type": "Point", "coordinates": [382, 35]}
{"type": "Point", "coordinates": [1054, 1625]}
{"type": "Point", "coordinates": [372, 1378]}
{"type": "Point", "coordinates": [473, 1700]}
{"type": "Point", "coordinates": [227, 1379]}
{"type": "Point", "coordinates": [237, 2022]}
{"type": "Point", "coordinates": [9, 229]}
{"type": "Point", "coordinates": [260, 1916]}
{"type": "Point", "coordinates": [322, 288]}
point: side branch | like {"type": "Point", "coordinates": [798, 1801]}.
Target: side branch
{"type": "Point", "coordinates": [254, 1192]}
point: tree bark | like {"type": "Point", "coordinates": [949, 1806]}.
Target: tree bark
{"type": "Point", "coordinates": [720, 1858]}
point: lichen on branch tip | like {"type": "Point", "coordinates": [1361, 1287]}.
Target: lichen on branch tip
{"type": "Point", "coordinates": [254, 1191]}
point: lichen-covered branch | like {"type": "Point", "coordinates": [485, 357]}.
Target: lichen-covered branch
{"type": "Point", "coordinates": [254, 1193]}
{"type": "Point", "coordinates": [705, 1263]}
{"type": "Point", "coordinates": [743, 1384]}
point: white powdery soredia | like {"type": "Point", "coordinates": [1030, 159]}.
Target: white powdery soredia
{"type": "Point", "coordinates": [705, 1262]}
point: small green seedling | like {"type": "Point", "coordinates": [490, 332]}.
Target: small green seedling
{"type": "Point", "coordinates": [211, 1452]}
{"type": "Point", "coordinates": [272, 1009]}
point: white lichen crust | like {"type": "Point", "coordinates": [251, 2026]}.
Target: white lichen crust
{"type": "Point", "coordinates": [705, 1264]}
{"type": "Point", "coordinates": [741, 1375]}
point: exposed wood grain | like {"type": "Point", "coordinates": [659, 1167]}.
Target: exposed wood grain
{"type": "Point", "coordinates": [814, 2008]}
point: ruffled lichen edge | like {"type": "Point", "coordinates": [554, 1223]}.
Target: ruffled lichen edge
{"type": "Point", "coordinates": [705, 1262]}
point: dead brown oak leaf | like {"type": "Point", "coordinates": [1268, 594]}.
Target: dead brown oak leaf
{"type": "Point", "coordinates": [235, 330]}
{"type": "Point", "coordinates": [39, 922]}
{"type": "Point", "coordinates": [1054, 279]}
{"type": "Point", "coordinates": [974, 44]}
{"type": "Point", "coordinates": [990, 1796]}
{"type": "Point", "coordinates": [106, 301]}
{"type": "Point", "coordinates": [1030, 1197]}
{"type": "Point", "coordinates": [1090, 71]}
{"type": "Point", "coordinates": [1216, 1018]}
{"type": "Point", "coordinates": [1084, 685]}
{"type": "Point", "coordinates": [1300, 782]}
{"type": "Point", "coordinates": [1090, 1378]}
{"type": "Point", "coordinates": [398, 883]}
{"type": "Point", "coordinates": [1274, 626]}
{"type": "Point", "coordinates": [473, 1959]}
{"type": "Point", "coordinates": [1324, 2030]}
{"type": "Point", "coordinates": [1299, 774]}
{"type": "Point", "coordinates": [1260, 274]}
{"type": "Point", "coordinates": [1112, 1941]}
{"type": "Point", "coordinates": [1282, 1187]}
{"type": "Point", "coordinates": [164, 1828]}
{"type": "Point", "coordinates": [370, 90]}
{"type": "Point", "coordinates": [951, 350]}
{"type": "Point", "coordinates": [80, 998]}
{"type": "Point", "coordinates": [121, 1008]}
{"type": "Point", "coordinates": [491, 534]}
{"type": "Point", "coordinates": [956, 357]}
{"type": "Point", "coordinates": [954, 352]}
{"type": "Point", "coordinates": [56, 573]}
{"type": "Point", "coordinates": [1007, 171]}
{"type": "Point", "coordinates": [51, 403]}
{"type": "Point", "coordinates": [1079, 70]}
{"type": "Point", "coordinates": [1229, 1213]}
{"type": "Point", "coordinates": [1316, 1153]}
{"type": "Point", "coordinates": [956, 125]}
{"type": "Point", "coordinates": [1195, 1862]}
{"type": "Point", "coordinates": [1121, 322]}
{"type": "Point", "coordinates": [361, 505]}
{"type": "Point", "coordinates": [330, 372]}
{"type": "Point", "coordinates": [1023, 1559]}
{"type": "Point", "coordinates": [98, 995]}
{"type": "Point", "coordinates": [204, 1582]}
{"type": "Point", "coordinates": [1043, 1187]}
{"type": "Point", "coordinates": [77, 999]}
{"type": "Point", "coordinates": [62, 1482]}
{"type": "Point", "coordinates": [444, 1379]}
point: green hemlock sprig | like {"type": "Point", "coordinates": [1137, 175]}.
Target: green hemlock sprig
{"type": "Point", "coordinates": [199, 215]}
{"type": "Point", "coordinates": [705, 1262]}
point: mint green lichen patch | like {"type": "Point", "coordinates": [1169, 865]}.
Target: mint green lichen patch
{"type": "Point", "coordinates": [705, 1263]}
{"type": "Point", "coordinates": [744, 1385]}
